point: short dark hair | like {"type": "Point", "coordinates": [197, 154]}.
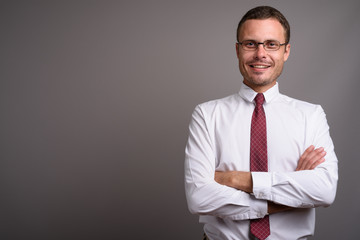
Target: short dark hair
{"type": "Point", "coordinates": [265, 12]}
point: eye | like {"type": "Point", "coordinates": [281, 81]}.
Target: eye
{"type": "Point", "coordinates": [272, 44]}
{"type": "Point", "coordinates": [249, 44]}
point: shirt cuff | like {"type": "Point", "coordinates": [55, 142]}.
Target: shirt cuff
{"type": "Point", "coordinates": [258, 208]}
{"type": "Point", "coordinates": [262, 185]}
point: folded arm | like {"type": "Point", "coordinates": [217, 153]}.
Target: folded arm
{"type": "Point", "coordinates": [241, 180]}
{"type": "Point", "coordinates": [204, 195]}
{"type": "Point", "coordinates": [307, 187]}
{"type": "Point", "coordinates": [311, 184]}
{"type": "Point", "coordinates": [314, 181]}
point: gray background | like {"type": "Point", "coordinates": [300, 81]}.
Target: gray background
{"type": "Point", "coordinates": [96, 97]}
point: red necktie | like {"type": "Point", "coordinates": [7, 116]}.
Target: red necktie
{"type": "Point", "coordinates": [260, 228]}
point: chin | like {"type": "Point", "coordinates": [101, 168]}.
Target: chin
{"type": "Point", "coordinates": [259, 82]}
{"type": "Point", "coordinates": [262, 82]}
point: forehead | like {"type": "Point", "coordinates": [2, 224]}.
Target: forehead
{"type": "Point", "coordinates": [262, 29]}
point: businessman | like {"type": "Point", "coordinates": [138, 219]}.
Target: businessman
{"type": "Point", "coordinates": [258, 163]}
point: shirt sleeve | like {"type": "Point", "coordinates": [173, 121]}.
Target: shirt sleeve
{"type": "Point", "coordinates": [204, 195]}
{"type": "Point", "coordinates": [308, 188]}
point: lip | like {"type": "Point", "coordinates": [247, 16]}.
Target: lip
{"type": "Point", "coordinates": [259, 67]}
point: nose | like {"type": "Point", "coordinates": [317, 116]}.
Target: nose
{"type": "Point", "coordinates": [260, 52]}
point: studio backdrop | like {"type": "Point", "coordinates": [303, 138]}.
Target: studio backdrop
{"type": "Point", "coordinates": [96, 98]}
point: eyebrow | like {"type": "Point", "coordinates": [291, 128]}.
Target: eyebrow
{"type": "Point", "coordinates": [259, 41]}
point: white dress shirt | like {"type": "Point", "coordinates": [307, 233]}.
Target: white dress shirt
{"type": "Point", "coordinates": [219, 140]}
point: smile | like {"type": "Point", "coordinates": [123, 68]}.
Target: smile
{"type": "Point", "coordinates": [259, 66]}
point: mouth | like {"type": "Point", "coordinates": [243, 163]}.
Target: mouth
{"type": "Point", "coordinates": [258, 66]}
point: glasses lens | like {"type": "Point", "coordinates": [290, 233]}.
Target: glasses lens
{"type": "Point", "coordinates": [249, 45]}
{"type": "Point", "coordinates": [271, 45]}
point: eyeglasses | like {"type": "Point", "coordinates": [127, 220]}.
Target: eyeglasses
{"type": "Point", "coordinates": [269, 45]}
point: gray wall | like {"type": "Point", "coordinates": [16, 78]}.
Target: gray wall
{"type": "Point", "coordinates": [96, 97]}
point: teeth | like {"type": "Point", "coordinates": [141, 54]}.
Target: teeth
{"type": "Point", "coordinates": [260, 66]}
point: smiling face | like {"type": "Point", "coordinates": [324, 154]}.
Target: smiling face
{"type": "Point", "coordinates": [261, 68]}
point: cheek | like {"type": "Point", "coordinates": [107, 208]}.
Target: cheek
{"type": "Point", "coordinates": [243, 60]}
{"type": "Point", "coordinates": [281, 58]}
{"type": "Point", "coordinates": [242, 66]}
{"type": "Point", "coordinates": [278, 67]}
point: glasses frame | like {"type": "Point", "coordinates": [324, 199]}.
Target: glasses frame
{"type": "Point", "coordinates": [263, 43]}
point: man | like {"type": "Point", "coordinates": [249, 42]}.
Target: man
{"type": "Point", "coordinates": [255, 165]}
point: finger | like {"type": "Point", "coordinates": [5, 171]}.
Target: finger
{"type": "Point", "coordinates": [313, 157]}
{"type": "Point", "coordinates": [309, 150]}
{"type": "Point", "coordinates": [310, 158]}
{"type": "Point", "coordinates": [320, 160]}
{"type": "Point", "coordinates": [303, 157]}
{"type": "Point", "coordinates": [317, 163]}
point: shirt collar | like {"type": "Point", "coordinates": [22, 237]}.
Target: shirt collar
{"type": "Point", "coordinates": [249, 94]}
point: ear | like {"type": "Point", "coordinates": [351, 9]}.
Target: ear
{"type": "Point", "coordinates": [287, 52]}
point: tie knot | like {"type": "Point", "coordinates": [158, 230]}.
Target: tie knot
{"type": "Point", "coordinates": [259, 99]}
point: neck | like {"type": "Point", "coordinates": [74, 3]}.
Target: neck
{"type": "Point", "coordinates": [260, 88]}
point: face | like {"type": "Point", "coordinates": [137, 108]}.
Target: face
{"type": "Point", "coordinates": [261, 68]}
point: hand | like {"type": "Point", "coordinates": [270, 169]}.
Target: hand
{"type": "Point", "coordinates": [311, 158]}
{"type": "Point", "coordinates": [235, 179]}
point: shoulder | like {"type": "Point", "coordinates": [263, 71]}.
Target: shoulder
{"type": "Point", "coordinates": [221, 104]}
{"type": "Point", "coordinates": [299, 105]}
{"type": "Point", "coordinates": [311, 113]}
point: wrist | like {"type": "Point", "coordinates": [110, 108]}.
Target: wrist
{"type": "Point", "coordinates": [243, 181]}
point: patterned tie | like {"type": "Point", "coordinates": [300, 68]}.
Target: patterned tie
{"type": "Point", "coordinates": [260, 228]}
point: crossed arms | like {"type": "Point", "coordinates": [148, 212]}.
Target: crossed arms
{"type": "Point", "coordinates": [241, 180]}
{"type": "Point", "coordinates": [211, 189]}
